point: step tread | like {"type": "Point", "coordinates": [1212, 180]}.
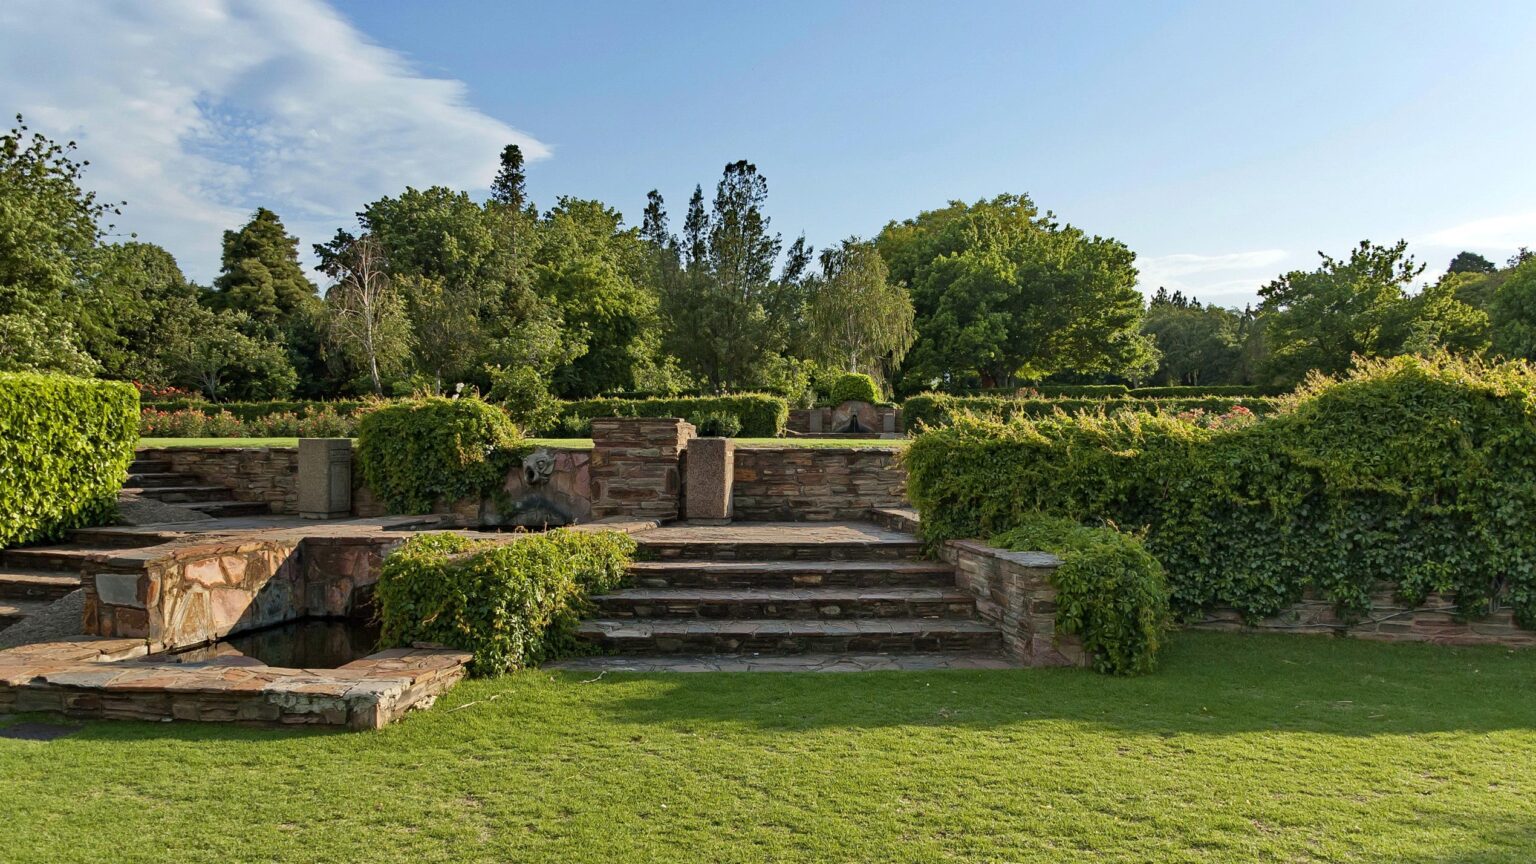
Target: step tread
{"type": "Point", "coordinates": [648, 628]}
{"type": "Point", "coordinates": [17, 609]}
{"type": "Point", "coordinates": [792, 566]}
{"type": "Point", "coordinates": [167, 490]}
{"type": "Point", "coordinates": [40, 578]}
{"type": "Point", "coordinates": [831, 594]}
{"type": "Point", "coordinates": [239, 508]}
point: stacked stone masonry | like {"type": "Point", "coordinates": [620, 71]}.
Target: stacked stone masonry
{"type": "Point", "coordinates": [267, 475]}
{"type": "Point", "coordinates": [635, 467]}
{"type": "Point", "coordinates": [816, 484]}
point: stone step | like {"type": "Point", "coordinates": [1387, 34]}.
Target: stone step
{"type": "Point", "coordinates": [120, 537]}
{"type": "Point", "coordinates": [730, 550]}
{"type": "Point", "coordinates": [866, 635]}
{"type": "Point", "coordinates": [15, 611]}
{"type": "Point", "coordinates": [149, 466]}
{"type": "Point", "coordinates": [791, 574]}
{"type": "Point", "coordinates": [180, 494]}
{"type": "Point", "coordinates": [36, 584]}
{"type": "Point", "coordinates": [160, 479]}
{"type": "Point", "coordinates": [225, 509]}
{"type": "Point", "coordinates": [54, 559]}
{"type": "Point", "coordinates": [786, 603]}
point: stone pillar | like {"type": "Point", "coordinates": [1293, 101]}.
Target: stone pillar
{"type": "Point", "coordinates": [815, 424]}
{"type": "Point", "coordinates": [635, 466]}
{"type": "Point", "coordinates": [710, 480]}
{"type": "Point", "coordinates": [325, 478]}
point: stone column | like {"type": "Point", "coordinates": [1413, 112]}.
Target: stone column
{"type": "Point", "coordinates": [325, 478]}
{"type": "Point", "coordinates": [635, 466]}
{"type": "Point", "coordinates": [710, 480]}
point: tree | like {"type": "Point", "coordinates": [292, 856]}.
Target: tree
{"type": "Point", "coordinates": [1321, 319]}
{"type": "Point", "coordinates": [49, 226]}
{"type": "Point", "coordinates": [1003, 293]}
{"type": "Point", "coordinates": [260, 273]}
{"type": "Point", "coordinates": [367, 316]}
{"type": "Point", "coordinates": [858, 320]}
{"type": "Point", "coordinates": [653, 224]}
{"type": "Point", "coordinates": [1470, 262]}
{"type": "Point", "coordinates": [510, 186]}
{"type": "Point", "coordinates": [1513, 313]}
{"type": "Point", "coordinates": [133, 286]}
{"type": "Point", "coordinates": [214, 352]}
{"type": "Point", "coordinates": [1197, 344]}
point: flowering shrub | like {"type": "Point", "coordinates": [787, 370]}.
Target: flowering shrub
{"type": "Point", "coordinates": [320, 421]}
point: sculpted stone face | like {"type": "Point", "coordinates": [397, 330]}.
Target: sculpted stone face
{"type": "Point", "coordinates": [538, 466]}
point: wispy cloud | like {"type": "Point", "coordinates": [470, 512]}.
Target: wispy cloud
{"type": "Point", "coordinates": [197, 111]}
{"type": "Point", "coordinates": [1232, 278]}
{"type": "Point", "coordinates": [1495, 233]}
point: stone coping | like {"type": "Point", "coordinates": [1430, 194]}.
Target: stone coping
{"type": "Point", "coordinates": [101, 679]}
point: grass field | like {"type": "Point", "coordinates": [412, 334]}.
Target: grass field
{"type": "Point", "coordinates": [562, 443]}
{"type": "Point", "coordinates": [1241, 748]}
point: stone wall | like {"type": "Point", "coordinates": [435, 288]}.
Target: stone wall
{"type": "Point", "coordinates": [183, 595]}
{"type": "Point", "coordinates": [817, 484]}
{"type": "Point", "coordinates": [881, 419]}
{"type": "Point", "coordinates": [635, 468]}
{"type": "Point", "coordinates": [1013, 593]}
{"type": "Point", "coordinates": [1389, 620]}
{"type": "Point", "coordinates": [265, 474]}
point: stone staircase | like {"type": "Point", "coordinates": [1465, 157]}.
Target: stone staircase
{"type": "Point", "coordinates": [155, 480]}
{"type": "Point", "coordinates": [787, 589]}
{"type": "Point", "coordinates": [32, 579]}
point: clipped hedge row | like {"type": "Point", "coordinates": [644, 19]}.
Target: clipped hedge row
{"type": "Point", "coordinates": [248, 411]}
{"type": "Point", "coordinates": [1188, 392]}
{"type": "Point", "coordinates": [761, 415]}
{"type": "Point", "coordinates": [510, 604]}
{"type": "Point", "coordinates": [65, 445]}
{"type": "Point", "coordinates": [416, 452]}
{"type": "Point", "coordinates": [940, 409]}
{"type": "Point", "coordinates": [1414, 471]}
{"type": "Point", "coordinates": [321, 422]}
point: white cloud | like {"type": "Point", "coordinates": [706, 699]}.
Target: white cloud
{"type": "Point", "coordinates": [1233, 278]}
{"type": "Point", "coordinates": [197, 111]}
{"type": "Point", "coordinates": [1502, 234]}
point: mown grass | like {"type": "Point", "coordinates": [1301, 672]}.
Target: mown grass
{"type": "Point", "coordinates": [1240, 748]}
{"type": "Point", "coordinates": [559, 443]}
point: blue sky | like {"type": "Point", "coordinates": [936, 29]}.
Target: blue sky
{"type": "Point", "coordinates": [1223, 142]}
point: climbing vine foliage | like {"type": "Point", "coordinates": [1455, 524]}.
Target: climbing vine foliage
{"type": "Point", "coordinates": [1417, 472]}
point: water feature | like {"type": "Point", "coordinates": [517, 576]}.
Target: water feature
{"type": "Point", "coordinates": [309, 643]}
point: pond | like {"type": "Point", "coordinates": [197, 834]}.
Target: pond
{"type": "Point", "coordinates": [309, 643]}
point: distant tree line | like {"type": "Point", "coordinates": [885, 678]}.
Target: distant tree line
{"type": "Point", "coordinates": [432, 289]}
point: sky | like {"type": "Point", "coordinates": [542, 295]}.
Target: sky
{"type": "Point", "coordinates": [1223, 142]}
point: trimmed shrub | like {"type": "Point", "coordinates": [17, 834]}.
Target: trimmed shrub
{"type": "Point", "coordinates": [318, 420]}
{"type": "Point", "coordinates": [1109, 590]}
{"type": "Point", "coordinates": [853, 387]}
{"type": "Point", "coordinates": [716, 424]}
{"type": "Point", "coordinates": [525, 397]}
{"type": "Point", "coordinates": [1414, 472]}
{"type": "Point", "coordinates": [761, 416]}
{"type": "Point", "coordinates": [939, 409]}
{"type": "Point", "coordinates": [416, 452]}
{"type": "Point", "coordinates": [510, 604]}
{"type": "Point", "coordinates": [1081, 391]}
{"type": "Point", "coordinates": [65, 445]}
{"type": "Point", "coordinates": [1195, 392]}
{"type": "Point", "coordinates": [247, 411]}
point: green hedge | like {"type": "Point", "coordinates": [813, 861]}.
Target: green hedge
{"type": "Point", "coordinates": [853, 387]}
{"type": "Point", "coordinates": [1109, 590]}
{"type": "Point", "coordinates": [761, 415]}
{"type": "Point", "coordinates": [417, 452]}
{"type": "Point", "coordinates": [1208, 390]}
{"type": "Point", "coordinates": [1418, 472]}
{"type": "Point", "coordinates": [510, 604]}
{"type": "Point", "coordinates": [248, 411]}
{"type": "Point", "coordinates": [938, 409]}
{"type": "Point", "coordinates": [65, 445]}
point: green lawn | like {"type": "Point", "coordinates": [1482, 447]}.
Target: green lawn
{"type": "Point", "coordinates": [563, 443]}
{"type": "Point", "coordinates": [1241, 748]}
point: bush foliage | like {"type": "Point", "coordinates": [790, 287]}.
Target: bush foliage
{"type": "Point", "coordinates": [761, 416]}
{"type": "Point", "coordinates": [511, 604]}
{"type": "Point", "coordinates": [853, 387]}
{"type": "Point", "coordinates": [416, 452]}
{"type": "Point", "coordinates": [716, 424]}
{"type": "Point", "coordinates": [938, 409]}
{"type": "Point", "coordinates": [318, 420]}
{"type": "Point", "coordinates": [1413, 471]}
{"type": "Point", "coordinates": [1109, 590]}
{"type": "Point", "coordinates": [65, 445]}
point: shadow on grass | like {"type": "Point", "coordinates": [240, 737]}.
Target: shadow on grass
{"type": "Point", "coordinates": [1208, 684]}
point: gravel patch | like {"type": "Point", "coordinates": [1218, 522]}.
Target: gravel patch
{"type": "Point", "coordinates": [58, 621]}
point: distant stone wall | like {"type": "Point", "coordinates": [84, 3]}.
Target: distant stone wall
{"type": "Point", "coordinates": [1389, 620]}
{"type": "Point", "coordinates": [815, 421]}
{"type": "Point", "coordinates": [635, 468]}
{"type": "Point", "coordinates": [816, 484]}
{"type": "Point", "coordinates": [266, 474]}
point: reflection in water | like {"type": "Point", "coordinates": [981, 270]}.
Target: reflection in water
{"type": "Point", "coordinates": [312, 643]}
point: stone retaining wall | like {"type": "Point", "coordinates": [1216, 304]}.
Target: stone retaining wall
{"type": "Point", "coordinates": [265, 474]}
{"type": "Point", "coordinates": [635, 468]}
{"type": "Point", "coordinates": [1013, 593]}
{"type": "Point", "coordinates": [815, 484]}
{"type": "Point", "coordinates": [1389, 620]}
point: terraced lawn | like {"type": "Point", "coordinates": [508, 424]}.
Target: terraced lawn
{"type": "Point", "coordinates": [1242, 748]}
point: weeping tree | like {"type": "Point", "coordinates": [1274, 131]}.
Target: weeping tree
{"type": "Point", "coordinates": [857, 319]}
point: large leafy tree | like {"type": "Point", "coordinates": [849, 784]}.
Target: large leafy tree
{"type": "Point", "coordinates": [1003, 293]}
{"type": "Point", "coordinates": [1320, 319]}
{"type": "Point", "coordinates": [1514, 312]}
{"type": "Point", "coordinates": [214, 352]}
{"type": "Point", "coordinates": [366, 315]}
{"type": "Point", "coordinates": [260, 273]}
{"type": "Point", "coordinates": [49, 228]}
{"type": "Point", "coordinates": [1196, 343]}
{"type": "Point", "coordinates": [859, 321]}
{"type": "Point", "coordinates": [138, 289]}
